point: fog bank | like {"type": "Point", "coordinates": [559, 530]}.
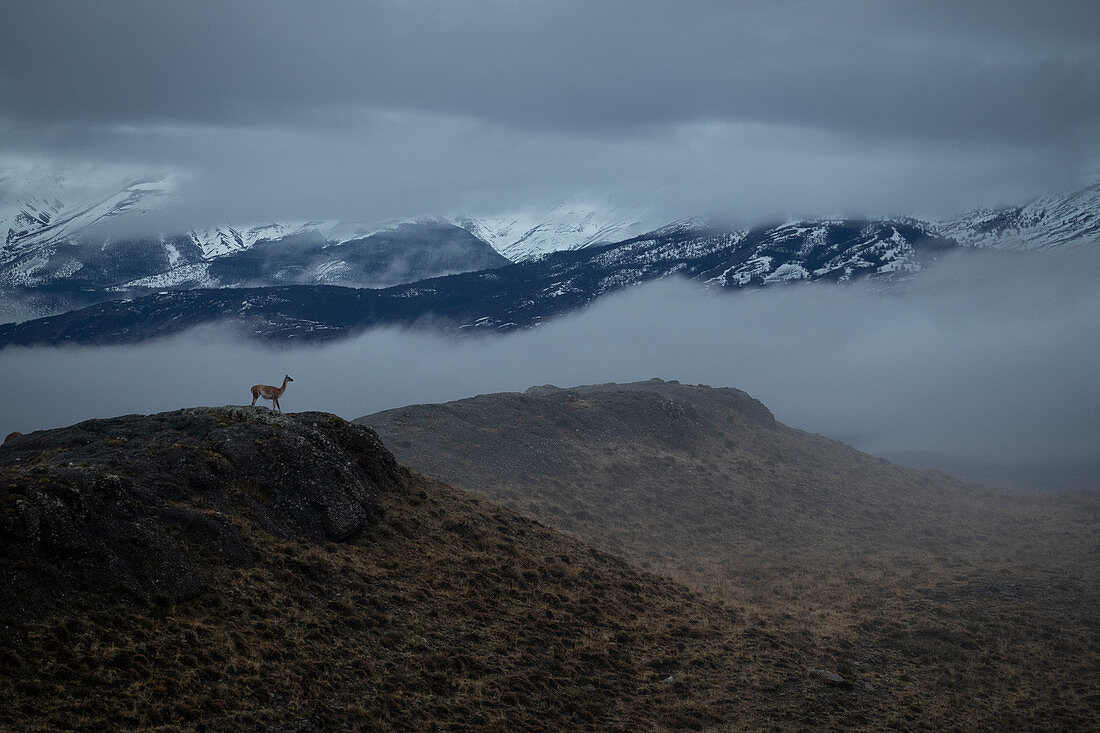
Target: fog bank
{"type": "Point", "coordinates": [989, 357]}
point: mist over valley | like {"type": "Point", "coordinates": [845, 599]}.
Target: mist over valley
{"type": "Point", "coordinates": [984, 359]}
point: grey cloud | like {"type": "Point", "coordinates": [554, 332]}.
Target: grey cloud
{"type": "Point", "coordinates": [381, 110]}
{"type": "Point", "coordinates": [402, 165]}
{"type": "Point", "coordinates": [924, 71]}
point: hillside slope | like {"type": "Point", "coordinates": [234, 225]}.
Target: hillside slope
{"type": "Point", "coordinates": [230, 568]}
{"type": "Point", "coordinates": [681, 459]}
{"type": "Point", "coordinates": [965, 606]}
{"type": "Point", "coordinates": [1067, 220]}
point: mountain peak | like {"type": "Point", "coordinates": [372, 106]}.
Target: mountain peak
{"type": "Point", "coordinates": [55, 213]}
{"type": "Point", "coordinates": [567, 224]}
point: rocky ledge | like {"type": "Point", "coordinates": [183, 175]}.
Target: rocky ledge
{"type": "Point", "coordinates": [146, 504]}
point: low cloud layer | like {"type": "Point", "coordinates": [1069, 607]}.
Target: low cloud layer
{"type": "Point", "coordinates": [988, 357]}
{"type": "Point", "coordinates": [389, 109]}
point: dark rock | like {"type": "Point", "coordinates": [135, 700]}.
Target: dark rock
{"type": "Point", "coordinates": [150, 503]}
{"type": "Point", "coordinates": [831, 678]}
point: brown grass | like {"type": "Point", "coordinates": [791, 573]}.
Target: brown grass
{"type": "Point", "coordinates": [944, 605]}
{"type": "Point", "coordinates": [774, 561]}
{"type": "Point", "coordinates": [450, 614]}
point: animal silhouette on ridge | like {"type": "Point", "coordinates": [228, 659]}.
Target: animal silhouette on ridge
{"type": "Point", "coordinates": [270, 393]}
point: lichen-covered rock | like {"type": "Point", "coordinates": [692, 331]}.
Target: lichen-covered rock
{"type": "Point", "coordinates": [146, 502]}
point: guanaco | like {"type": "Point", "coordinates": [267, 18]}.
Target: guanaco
{"type": "Point", "coordinates": [270, 393]}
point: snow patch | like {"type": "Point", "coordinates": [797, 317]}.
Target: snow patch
{"type": "Point", "coordinates": [196, 275]}
{"type": "Point", "coordinates": [787, 273]}
{"type": "Point", "coordinates": [567, 225]}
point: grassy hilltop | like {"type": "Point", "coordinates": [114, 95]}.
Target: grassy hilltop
{"type": "Point", "coordinates": [945, 604]}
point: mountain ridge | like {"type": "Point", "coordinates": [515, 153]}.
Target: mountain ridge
{"type": "Point", "coordinates": [43, 217]}
{"type": "Point", "coordinates": [66, 276]}
{"type": "Point", "coordinates": [1046, 222]}
{"type": "Point", "coordinates": [43, 223]}
{"type": "Point", "coordinates": [518, 295]}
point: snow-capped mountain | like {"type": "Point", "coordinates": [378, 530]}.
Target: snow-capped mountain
{"type": "Point", "coordinates": [1047, 222]}
{"type": "Point", "coordinates": [837, 250]}
{"type": "Point", "coordinates": [222, 240]}
{"type": "Point", "coordinates": [533, 232]}
{"type": "Point", "coordinates": [53, 260]}
{"type": "Point", "coordinates": [522, 294]}
{"type": "Point", "coordinates": [46, 218]}
{"type": "Point", "coordinates": [56, 256]}
{"type": "Point", "coordinates": [219, 241]}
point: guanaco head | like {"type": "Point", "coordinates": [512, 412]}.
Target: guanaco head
{"type": "Point", "coordinates": [288, 378]}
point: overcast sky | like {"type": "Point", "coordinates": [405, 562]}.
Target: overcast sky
{"type": "Point", "coordinates": [378, 110]}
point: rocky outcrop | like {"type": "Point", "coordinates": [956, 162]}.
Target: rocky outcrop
{"type": "Point", "coordinates": [145, 504]}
